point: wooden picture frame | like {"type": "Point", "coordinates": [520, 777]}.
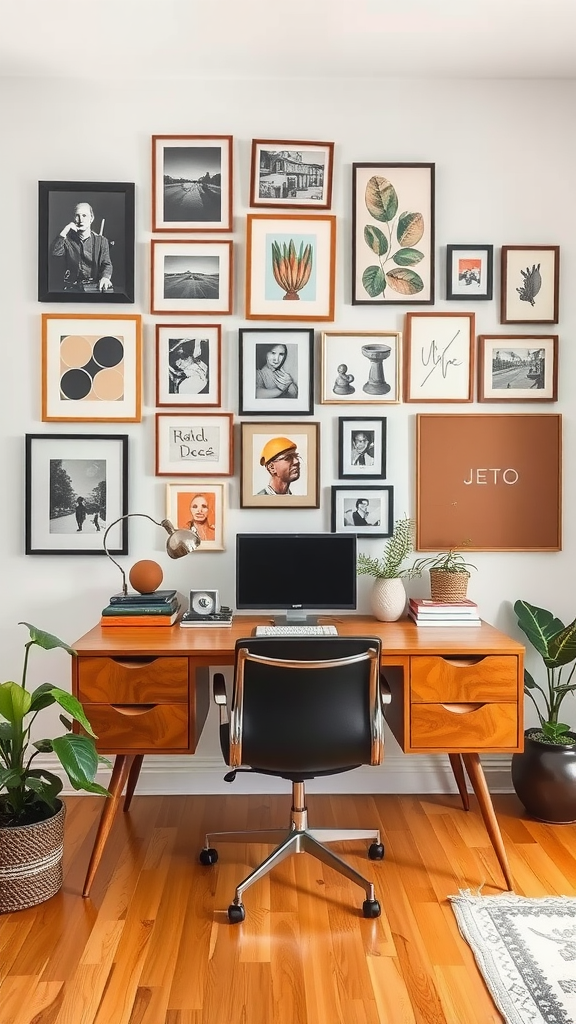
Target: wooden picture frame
{"type": "Point", "coordinates": [530, 281]}
{"type": "Point", "coordinates": [365, 511]}
{"type": "Point", "coordinates": [469, 272]}
{"type": "Point", "coordinates": [191, 277]}
{"type": "Point", "coordinates": [276, 371]}
{"type": "Point", "coordinates": [361, 447]}
{"type": "Point", "coordinates": [290, 446]}
{"type": "Point", "coordinates": [518, 368]}
{"type": "Point", "coordinates": [192, 181]}
{"type": "Point", "coordinates": [201, 506]}
{"type": "Point", "coordinates": [293, 175]}
{"type": "Point", "coordinates": [188, 365]}
{"type": "Point", "coordinates": [439, 355]}
{"type": "Point", "coordinates": [360, 367]}
{"type": "Point", "coordinates": [194, 444]}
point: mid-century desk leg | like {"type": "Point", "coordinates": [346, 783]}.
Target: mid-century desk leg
{"type": "Point", "coordinates": [132, 780]}
{"type": "Point", "coordinates": [122, 769]}
{"type": "Point", "coordinates": [478, 780]}
{"type": "Point", "coordinates": [458, 769]}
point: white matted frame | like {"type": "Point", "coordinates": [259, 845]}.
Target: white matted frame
{"type": "Point", "coordinates": [518, 368]}
{"type": "Point", "coordinates": [188, 364]}
{"type": "Point", "coordinates": [365, 511]}
{"type": "Point", "coordinates": [360, 367]}
{"type": "Point", "coordinates": [200, 506]}
{"type": "Point", "coordinates": [276, 371]}
{"type": "Point", "coordinates": [439, 354]}
{"type": "Point", "coordinates": [292, 175]}
{"type": "Point", "coordinates": [192, 182]}
{"type": "Point", "coordinates": [291, 264]}
{"type": "Point", "coordinates": [194, 444]}
{"type": "Point", "coordinates": [530, 279]}
{"type": "Point", "coordinates": [191, 277]}
{"type": "Point", "coordinates": [303, 441]}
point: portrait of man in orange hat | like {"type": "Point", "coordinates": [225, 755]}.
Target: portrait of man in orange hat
{"type": "Point", "coordinates": [282, 461]}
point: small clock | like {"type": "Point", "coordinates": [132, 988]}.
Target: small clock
{"type": "Point", "coordinates": [203, 604]}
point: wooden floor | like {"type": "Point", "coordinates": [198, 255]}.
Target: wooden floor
{"type": "Point", "coordinates": [153, 945]}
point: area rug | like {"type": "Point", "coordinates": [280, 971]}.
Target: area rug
{"type": "Point", "coordinates": [526, 952]}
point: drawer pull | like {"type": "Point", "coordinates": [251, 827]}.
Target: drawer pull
{"type": "Point", "coordinates": [133, 662]}
{"type": "Point", "coordinates": [464, 662]}
{"type": "Point", "coordinates": [133, 709]}
{"type": "Point", "coordinates": [462, 709]}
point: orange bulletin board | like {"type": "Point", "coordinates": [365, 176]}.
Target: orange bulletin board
{"type": "Point", "coordinates": [492, 482]}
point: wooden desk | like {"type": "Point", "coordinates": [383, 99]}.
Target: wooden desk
{"type": "Point", "coordinates": [457, 691]}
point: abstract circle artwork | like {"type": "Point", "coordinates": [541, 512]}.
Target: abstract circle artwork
{"type": "Point", "coordinates": [92, 368]}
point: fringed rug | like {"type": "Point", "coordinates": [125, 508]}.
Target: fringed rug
{"type": "Point", "coordinates": [526, 952]}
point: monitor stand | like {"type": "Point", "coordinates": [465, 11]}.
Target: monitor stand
{"type": "Point", "coordinates": [295, 617]}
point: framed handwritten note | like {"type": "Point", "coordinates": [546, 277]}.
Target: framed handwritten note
{"type": "Point", "coordinates": [439, 354]}
{"type": "Point", "coordinates": [194, 444]}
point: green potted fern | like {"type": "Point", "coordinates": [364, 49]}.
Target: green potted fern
{"type": "Point", "coordinates": [388, 596]}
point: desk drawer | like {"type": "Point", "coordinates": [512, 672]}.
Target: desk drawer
{"type": "Point", "coordinates": [493, 678]}
{"type": "Point", "coordinates": [464, 726]}
{"type": "Point", "coordinates": [133, 680]}
{"type": "Point", "coordinates": [147, 728]}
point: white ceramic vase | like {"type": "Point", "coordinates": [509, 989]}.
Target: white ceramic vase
{"type": "Point", "coordinates": [388, 600]}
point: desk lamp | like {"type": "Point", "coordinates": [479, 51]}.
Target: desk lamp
{"type": "Point", "coordinates": [179, 543]}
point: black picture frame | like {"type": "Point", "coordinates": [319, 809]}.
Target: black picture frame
{"type": "Point", "coordinates": [298, 364]}
{"type": "Point", "coordinates": [346, 499]}
{"type": "Point", "coordinates": [112, 204]}
{"type": "Point", "coordinates": [58, 467]}
{"type": "Point", "coordinates": [469, 272]}
{"type": "Point", "coordinates": [361, 447]}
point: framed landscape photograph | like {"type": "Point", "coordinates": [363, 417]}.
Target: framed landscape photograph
{"type": "Point", "coordinates": [360, 367]}
{"type": "Point", "coordinates": [76, 486]}
{"type": "Point", "coordinates": [530, 276]}
{"type": "Point", "coordinates": [518, 368]}
{"type": "Point", "coordinates": [192, 179]}
{"type": "Point", "coordinates": [276, 371]}
{"type": "Point", "coordinates": [362, 447]}
{"type": "Point", "coordinates": [392, 234]}
{"type": "Point", "coordinates": [439, 353]}
{"type": "Point", "coordinates": [91, 367]}
{"type": "Point", "coordinates": [188, 364]}
{"type": "Point", "coordinates": [198, 506]}
{"type": "Point", "coordinates": [469, 272]}
{"type": "Point", "coordinates": [86, 241]}
{"type": "Point", "coordinates": [290, 267]}
{"type": "Point", "coordinates": [191, 277]}
{"type": "Point", "coordinates": [291, 174]}
{"type": "Point", "coordinates": [366, 511]}
{"type": "Point", "coordinates": [194, 444]}
{"type": "Point", "coordinates": [280, 465]}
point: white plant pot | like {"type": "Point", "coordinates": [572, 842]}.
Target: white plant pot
{"type": "Point", "coordinates": [388, 600]}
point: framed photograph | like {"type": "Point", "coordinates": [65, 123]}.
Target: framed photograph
{"type": "Point", "coordinates": [194, 444]}
{"type": "Point", "coordinates": [85, 241]}
{"type": "Point", "coordinates": [290, 267]}
{"type": "Point", "coordinates": [91, 367]}
{"type": "Point", "coordinates": [469, 272]}
{"type": "Point", "coordinates": [360, 367]}
{"type": "Point", "coordinates": [296, 175]}
{"type": "Point", "coordinates": [201, 506]}
{"type": "Point", "coordinates": [276, 372]}
{"type": "Point", "coordinates": [439, 353]}
{"type": "Point", "coordinates": [366, 511]}
{"type": "Point", "coordinates": [362, 448]}
{"type": "Point", "coordinates": [280, 465]}
{"type": "Point", "coordinates": [191, 277]}
{"type": "Point", "coordinates": [530, 284]}
{"type": "Point", "coordinates": [188, 364]}
{"type": "Point", "coordinates": [76, 486]}
{"type": "Point", "coordinates": [192, 182]}
{"type": "Point", "coordinates": [518, 368]}
{"type": "Point", "coordinates": [392, 234]}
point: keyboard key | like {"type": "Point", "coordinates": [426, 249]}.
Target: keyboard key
{"type": "Point", "coordinates": [296, 631]}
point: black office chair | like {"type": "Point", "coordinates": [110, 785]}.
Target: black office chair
{"type": "Point", "coordinates": [302, 707]}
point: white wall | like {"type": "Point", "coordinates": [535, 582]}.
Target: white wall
{"type": "Point", "coordinates": [505, 162]}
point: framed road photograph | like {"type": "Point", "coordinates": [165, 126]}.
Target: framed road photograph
{"type": "Point", "coordinates": [194, 444]}
{"type": "Point", "coordinates": [392, 234]}
{"type": "Point", "coordinates": [291, 174]}
{"type": "Point", "coordinates": [360, 367]}
{"type": "Point", "coordinates": [362, 447]}
{"type": "Point", "coordinates": [366, 511]}
{"type": "Point", "coordinates": [192, 182]}
{"type": "Point", "coordinates": [199, 505]}
{"type": "Point", "coordinates": [188, 364]}
{"type": "Point", "coordinates": [191, 278]}
{"type": "Point", "coordinates": [518, 368]}
{"type": "Point", "coordinates": [469, 272]}
{"type": "Point", "coordinates": [276, 372]}
{"type": "Point", "coordinates": [439, 353]}
{"type": "Point", "coordinates": [91, 367]}
{"type": "Point", "coordinates": [76, 486]}
{"type": "Point", "coordinates": [530, 276]}
{"type": "Point", "coordinates": [290, 267]}
{"type": "Point", "coordinates": [280, 465]}
{"type": "Point", "coordinates": [86, 241]}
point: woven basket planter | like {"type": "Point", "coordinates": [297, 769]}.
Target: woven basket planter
{"type": "Point", "coordinates": [31, 862]}
{"type": "Point", "coordinates": [448, 586]}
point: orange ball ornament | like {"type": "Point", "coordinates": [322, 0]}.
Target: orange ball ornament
{"type": "Point", "coordinates": [146, 576]}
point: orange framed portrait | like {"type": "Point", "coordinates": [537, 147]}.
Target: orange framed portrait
{"type": "Point", "coordinates": [198, 506]}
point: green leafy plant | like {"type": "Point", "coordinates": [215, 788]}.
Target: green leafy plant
{"type": "Point", "coordinates": [28, 794]}
{"type": "Point", "coordinates": [448, 561]}
{"type": "Point", "coordinates": [556, 645]}
{"type": "Point", "coordinates": [381, 201]}
{"type": "Point", "coordinates": [396, 549]}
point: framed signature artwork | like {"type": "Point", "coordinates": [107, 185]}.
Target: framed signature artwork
{"type": "Point", "coordinates": [439, 353]}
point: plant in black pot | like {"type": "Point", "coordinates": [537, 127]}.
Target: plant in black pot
{"type": "Point", "coordinates": [544, 775]}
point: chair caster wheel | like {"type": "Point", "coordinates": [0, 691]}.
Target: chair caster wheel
{"type": "Point", "coordinates": [236, 913]}
{"type": "Point", "coordinates": [208, 856]}
{"type": "Point", "coordinates": [376, 851]}
{"type": "Point", "coordinates": [370, 908]}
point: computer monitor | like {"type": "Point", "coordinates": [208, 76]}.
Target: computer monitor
{"type": "Point", "coordinates": [294, 572]}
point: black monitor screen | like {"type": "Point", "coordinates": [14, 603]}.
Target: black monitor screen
{"type": "Point", "coordinates": [296, 570]}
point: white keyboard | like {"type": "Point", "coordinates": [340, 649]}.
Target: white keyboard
{"type": "Point", "coordinates": [296, 631]}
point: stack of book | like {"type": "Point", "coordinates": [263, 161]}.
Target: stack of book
{"type": "Point", "coordinates": [437, 613]}
{"type": "Point", "coordinates": [161, 608]}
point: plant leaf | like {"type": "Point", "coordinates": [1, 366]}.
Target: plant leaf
{"type": "Point", "coordinates": [410, 228]}
{"type": "Point", "coordinates": [10, 778]}
{"type": "Point", "coordinates": [46, 640]}
{"type": "Point", "coordinates": [44, 746]}
{"type": "Point", "coordinates": [376, 240]}
{"type": "Point", "coordinates": [374, 281]}
{"type": "Point", "coordinates": [42, 697]}
{"type": "Point", "coordinates": [407, 257]}
{"type": "Point", "coordinates": [562, 646]}
{"type": "Point", "coordinates": [529, 682]}
{"type": "Point", "coordinates": [14, 702]}
{"type": "Point", "coordinates": [538, 624]}
{"type": "Point", "coordinates": [405, 281]}
{"type": "Point", "coordinates": [79, 759]}
{"type": "Point", "coordinates": [44, 784]}
{"type": "Point", "coordinates": [381, 199]}
{"type": "Point", "coordinates": [73, 707]}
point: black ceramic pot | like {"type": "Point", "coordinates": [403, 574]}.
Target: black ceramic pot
{"type": "Point", "coordinates": [544, 778]}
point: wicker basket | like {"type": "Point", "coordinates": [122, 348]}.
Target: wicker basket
{"type": "Point", "coordinates": [449, 587]}
{"type": "Point", "coordinates": [31, 862]}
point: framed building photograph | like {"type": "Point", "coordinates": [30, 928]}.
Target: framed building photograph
{"type": "Point", "coordinates": [76, 486]}
{"type": "Point", "coordinates": [392, 234]}
{"type": "Point", "coordinates": [280, 465]}
{"type": "Point", "coordinates": [188, 364]}
{"type": "Point", "coordinates": [91, 367]}
{"type": "Point", "coordinates": [291, 174]}
{"type": "Point", "coordinates": [469, 272]}
{"type": "Point", "coordinates": [191, 278]}
{"type": "Point", "coordinates": [291, 265]}
{"type": "Point", "coordinates": [361, 447]}
{"type": "Point", "coordinates": [198, 506]}
{"type": "Point", "coordinates": [192, 178]}
{"type": "Point", "coordinates": [194, 444]}
{"type": "Point", "coordinates": [86, 241]}
{"type": "Point", "coordinates": [360, 367]}
{"type": "Point", "coordinates": [366, 511]}
{"type": "Point", "coordinates": [439, 354]}
{"type": "Point", "coordinates": [530, 277]}
{"type": "Point", "coordinates": [276, 371]}
{"type": "Point", "coordinates": [518, 368]}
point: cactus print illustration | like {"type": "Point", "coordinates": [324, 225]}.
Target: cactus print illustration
{"type": "Point", "coordinates": [531, 284]}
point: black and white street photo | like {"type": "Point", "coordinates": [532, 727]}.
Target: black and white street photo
{"type": "Point", "coordinates": [518, 368]}
{"type": "Point", "coordinates": [193, 184]}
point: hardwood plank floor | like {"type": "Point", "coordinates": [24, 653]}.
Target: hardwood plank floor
{"type": "Point", "coordinates": [152, 944]}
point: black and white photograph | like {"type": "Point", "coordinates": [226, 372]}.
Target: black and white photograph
{"type": "Point", "coordinates": [367, 511]}
{"type": "Point", "coordinates": [85, 241]}
{"type": "Point", "coordinates": [276, 374]}
{"type": "Point", "coordinates": [362, 448]}
{"type": "Point", "coordinates": [192, 182]}
{"type": "Point", "coordinates": [518, 368]}
{"type": "Point", "coordinates": [76, 486]}
{"type": "Point", "coordinates": [188, 364]}
{"type": "Point", "coordinates": [296, 175]}
{"type": "Point", "coordinates": [191, 277]}
{"type": "Point", "coordinates": [360, 367]}
{"type": "Point", "coordinates": [530, 284]}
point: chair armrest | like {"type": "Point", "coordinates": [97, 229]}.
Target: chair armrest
{"type": "Point", "coordinates": [385, 694]}
{"type": "Point", "coordinates": [219, 694]}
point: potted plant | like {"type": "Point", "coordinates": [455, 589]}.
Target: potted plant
{"type": "Point", "coordinates": [544, 775]}
{"type": "Point", "coordinates": [449, 575]}
{"type": "Point", "coordinates": [388, 596]}
{"type": "Point", "coordinates": [31, 815]}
